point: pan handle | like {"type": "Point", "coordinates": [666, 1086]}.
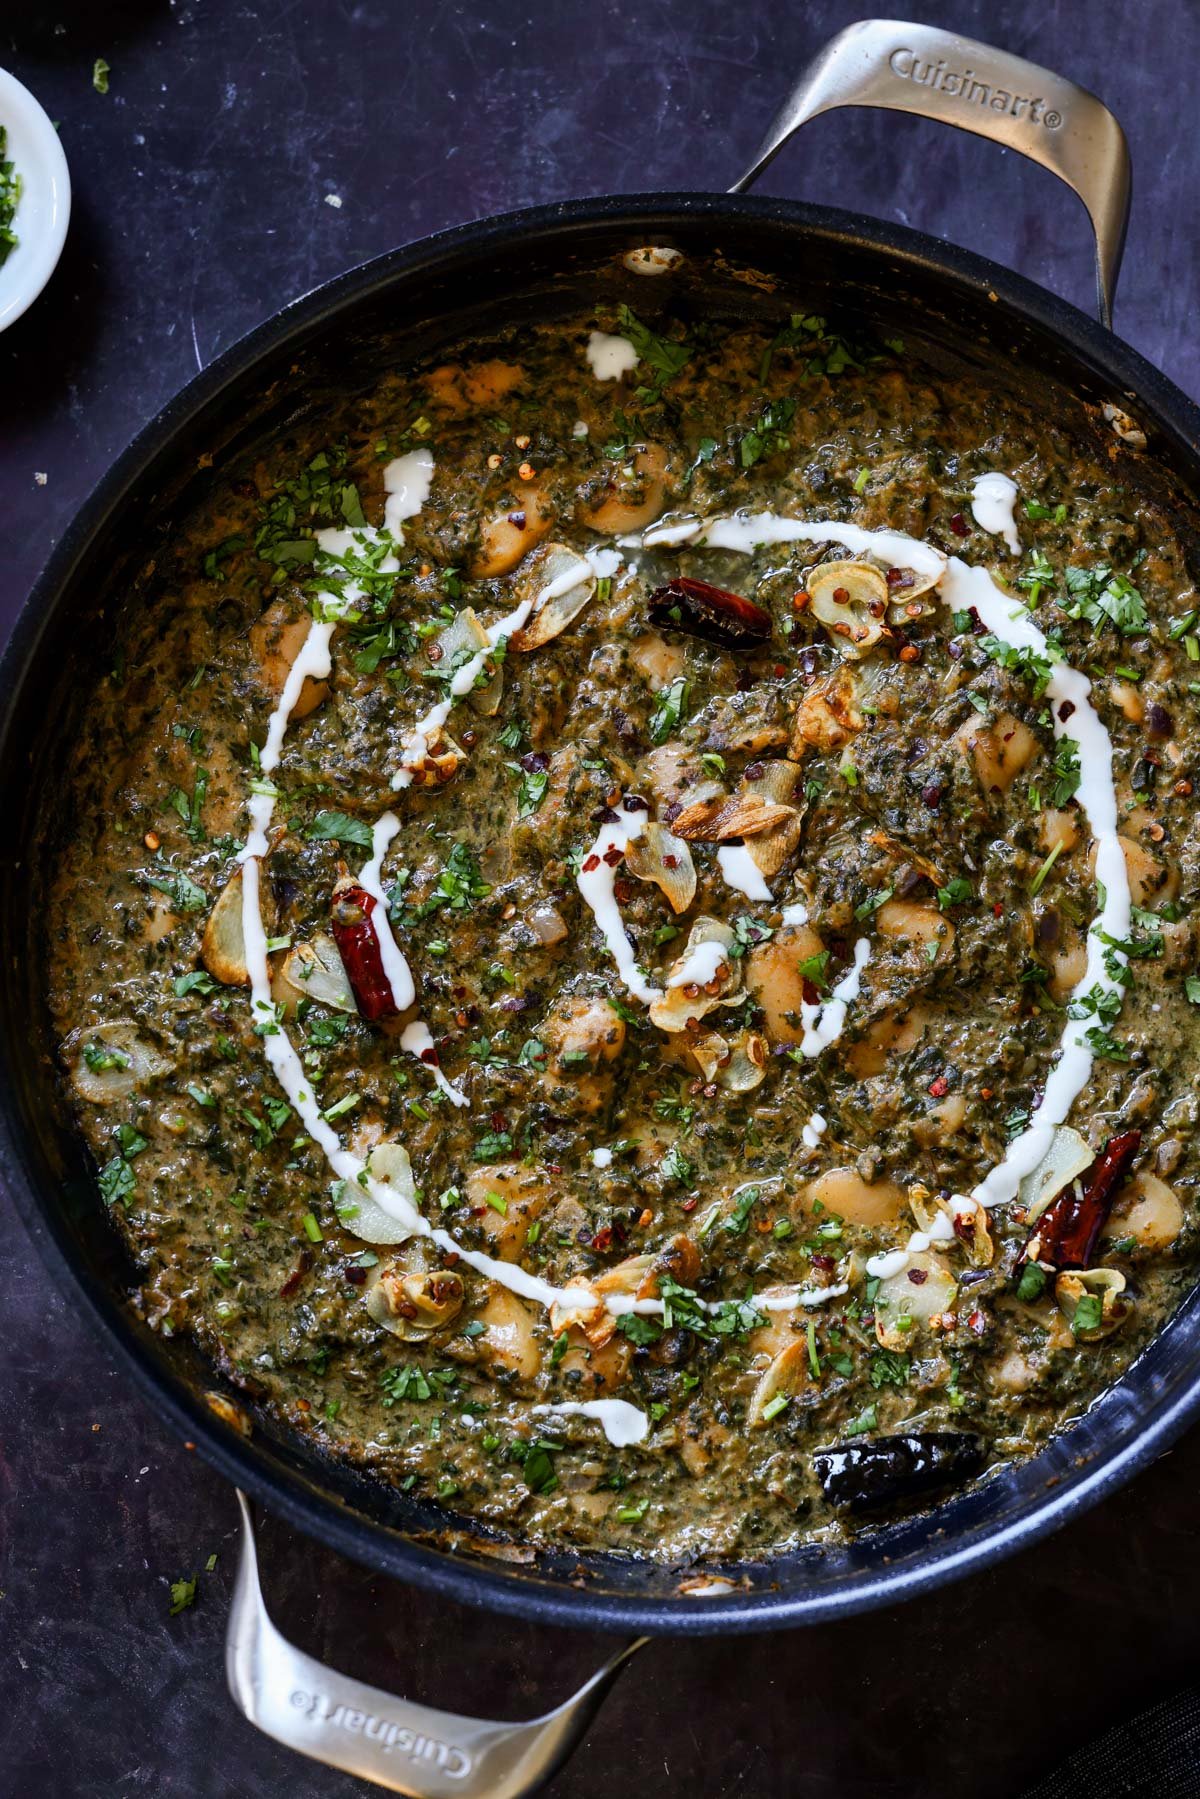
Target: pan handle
{"type": "Point", "coordinates": [397, 1745]}
{"type": "Point", "coordinates": [940, 75]}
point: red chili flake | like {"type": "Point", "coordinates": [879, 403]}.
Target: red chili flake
{"type": "Point", "coordinates": [430, 1055]}
{"type": "Point", "coordinates": [670, 861]}
{"type": "Point", "coordinates": [689, 1205]}
{"type": "Point", "coordinates": [977, 1323]}
{"type": "Point", "coordinates": [985, 1093]}
{"type": "Point", "coordinates": [356, 1276]}
{"type": "Point", "coordinates": [591, 863]}
{"type": "Point", "coordinates": [603, 1238]}
{"type": "Point", "coordinates": [997, 909]}
{"type": "Point", "coordinates": [825, 1263]}
{"type": "Point", "coordinates": [939, 1088]}
{"type": "Point", "coordinates": [918, 1276]}
{"type": "Point", "coordinates": [1066, 709]}
{"type": "Point", "coordinates": [623, 891]}
{"type": "Point", "coordinates": [613, 855]}
{"type": "Point", "coordinates": [291, 1284]}
{"type": "Point", "coordinates": [932, 795]}
{"type": "Point", "coordinates": [959, 526]}
{"type": "Point", "coordinates": [553, 1167]}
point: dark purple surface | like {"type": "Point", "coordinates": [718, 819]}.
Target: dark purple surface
{"type": "Point", "coordinates": [199, 205]}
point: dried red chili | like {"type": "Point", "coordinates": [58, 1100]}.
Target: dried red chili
{"type": "Point", "coordinates": [720, 617]}
{"type": "Point", "coordinates": [1065, 1235]}
{"type": "Point", "coordinates": [357, 938]}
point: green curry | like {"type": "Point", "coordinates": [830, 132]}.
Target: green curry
{"type": "Point", "coordinates": [587, 893]}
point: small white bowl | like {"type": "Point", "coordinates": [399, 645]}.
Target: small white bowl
{"type": "Point", "coordinates": [45, 204]}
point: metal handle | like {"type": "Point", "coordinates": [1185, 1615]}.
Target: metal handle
{"type": "Point", "coordinates": [939, 75]}
{"type": "Point", "coordinates": [404, 1747]}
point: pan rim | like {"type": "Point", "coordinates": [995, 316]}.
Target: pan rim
{"type": "Point", "coordinates": [300, 1501]}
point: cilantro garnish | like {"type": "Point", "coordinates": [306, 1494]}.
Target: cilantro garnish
{"type": "Point", "coordinates": [339, 827]}
{"type": "Point", "coordinates": [668, 714]}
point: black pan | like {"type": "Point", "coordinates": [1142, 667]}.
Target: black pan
{"type": "Point", "coordinates": [741, 256]}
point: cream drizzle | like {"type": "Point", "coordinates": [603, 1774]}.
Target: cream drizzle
{"type": "Point", "coordinates": [701, 966]}
{"type": "Point", "coordinates": [800, 1296]}
{"type": "Point", "coordinates": [415, 746]}
{"type": "Point", "coordinates": [406, 482]}
{"type": "Point", "coordinates": [813, 1131]}
{"type": "Point", "coordinates": [992, 500]}
{"type": "Point", "coordinates": [623, 1424]}
{"type": "Point", "coordinates": [417, 1039]}
{"type": "Point", "coordinates": [596, 881]}
{"type": "Point", "coordinates": [962, 587]}
{"type": "Point", "coordinates": [824, 1022]}
{"type": "Point", "coordinates": [745, 533]}
{"type": "Point", "coordinates": [370, 879]}
{"type": "Point", "coordinates": [741, 872]}
{"type": "Point", "coordinates": [610, 356]}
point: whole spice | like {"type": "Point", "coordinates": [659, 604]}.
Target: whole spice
{"type": "Point", "coordinates": [713, 613]}
{"type": "Point", "coordinates": [355, 933]}
{"type": "Point", "coordinates": [1065, 1235]}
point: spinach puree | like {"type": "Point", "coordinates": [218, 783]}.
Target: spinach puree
{"type": "Point", "coordinates": [746, 883]}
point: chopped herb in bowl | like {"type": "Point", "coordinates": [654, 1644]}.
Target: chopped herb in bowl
{"type": "Point", "coordinates": [10, 199]}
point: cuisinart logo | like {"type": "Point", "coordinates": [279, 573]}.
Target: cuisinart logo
{"type": "Point", "coordinates": [448, 1757]}
{"type": "Point", "coordinates": [965, 85]}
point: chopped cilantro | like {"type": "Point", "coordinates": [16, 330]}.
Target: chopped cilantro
{"type": "Point", "coordinates": [199, 981]}
{"type": "Point", "coordinates": [665, 356]}
{"type": "Point", "coordinates": [889, 1369]}
{"type": "Point", "coordinates": [183, 1592]}
{"type": "Point", "coordinates": [338, 827]}
{"type": "Point", "coordinates": [767, 437]}
{"type": "Point", "coordinates": [492, 1146]}
{"type": "Point", "coordinates": [1066, 772]}
{"type": "Point", "coordinates": [10, 195]}
{"type": "Point", "coordinates": [184, 894]}
{"type": "Point", "coordinates": [668, 714]}
{"type": "Point", "coordinates": [459, 885]}
{"type": "Point", "coordinates": [1102, 597]}
{"type": "Point", "coordinates": [410, 1381]}
{"type": "Point", "coordinates": [1088, 1314]}
{"type": "Point", "coordinates": [956, 892]}
{"type": "Point", "coordinates": [675, 1166]}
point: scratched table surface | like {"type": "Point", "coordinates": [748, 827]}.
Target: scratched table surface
{"type": "Point", "coordinates": [201, 181]}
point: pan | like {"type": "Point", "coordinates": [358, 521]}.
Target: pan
{"type": "Point", "coordinates": [739, 255]}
